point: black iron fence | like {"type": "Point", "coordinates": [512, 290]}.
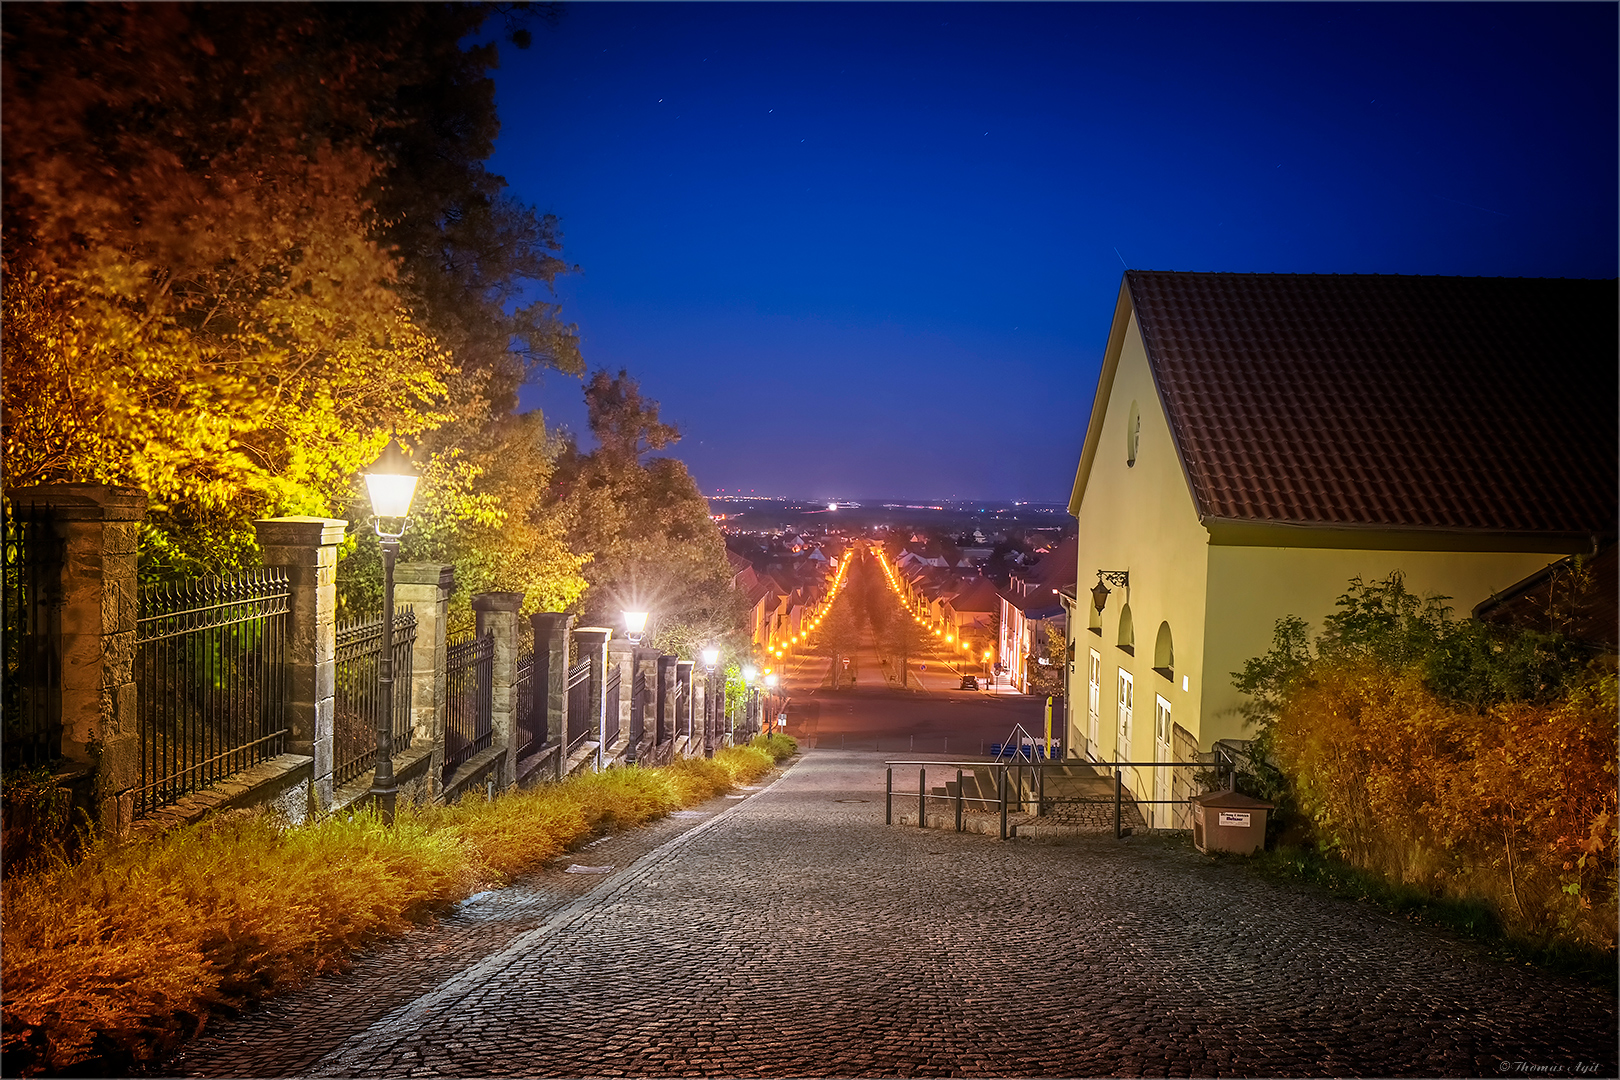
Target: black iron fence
{"type": "Point", "coordinates": [531, 722]}
{"type": "Point", "coordinates": [358, 704]}
{"type": "Point", "coordinates": [31, 597]}
{"type": "Point", "coordinates": [211, 681]}
{"type": "Point", "coordinates": [581, 724]}
{"type": "Point", "coordinates": [469, 705]}
{"type": "Point", "coordinates": [610, 694]}
{"type": "Point", "coordinates": [638, 706]}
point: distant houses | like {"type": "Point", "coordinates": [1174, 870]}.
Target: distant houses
{"type": "Point", "coordinates": [1257, 440]}
{"type": "Point", "coordinates": [1033, 611]}
{"type": "Point", "coordinates": [785, 582]}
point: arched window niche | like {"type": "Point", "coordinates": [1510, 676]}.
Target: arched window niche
{"type": "Point", "coordinates": [1164, 653]}
{"type": "Point", "coordinates": [1127, 633]}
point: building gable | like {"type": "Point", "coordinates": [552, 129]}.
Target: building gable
{"type": "Point", "coordinates": [1374, 402]}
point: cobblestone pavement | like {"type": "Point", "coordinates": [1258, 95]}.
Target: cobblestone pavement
{"type": "Point", "coordinates": [796, 935]}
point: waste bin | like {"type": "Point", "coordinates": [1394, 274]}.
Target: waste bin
{"type": "Point", "coordinates": [1229, 821]}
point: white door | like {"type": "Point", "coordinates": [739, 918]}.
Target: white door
{"type": "Point", "coordinates": [1094, 705]}
{"type": "Point", "coordinates": [1164, 815]}
{"type": "Point", "coordinates": [1122, 742]}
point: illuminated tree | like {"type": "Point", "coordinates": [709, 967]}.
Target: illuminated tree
{"type": "Point", "coordinates": [243, 243]}
{"type": "Point", "coordinates": [651, 540]}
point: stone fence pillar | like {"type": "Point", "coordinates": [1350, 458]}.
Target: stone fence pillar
{"type": "Point", "coordinates": [98, 528]}
{"type": "Point", "coordinates": [306, 547]}
{"type": "Point", "coordinates": [425, 588]}
{"type": "Point", "coordinates": [496, 613]}
{"type": "Point", "coordinates": [593, 645]}
{"type": "Point", "coordinates": [549, 681]}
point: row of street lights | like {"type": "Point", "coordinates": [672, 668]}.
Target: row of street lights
{"type": "Point", "coordinates": [391, 484]}
{"type": "Point", "coordinates": [949, 637]}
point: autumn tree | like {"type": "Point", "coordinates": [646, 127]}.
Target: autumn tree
{"type": "Point", "coordinates": [842, 634]}
{"type": "Point", "coordinates": [243, 244]}
{"type": "Point", "coordinates": [652, 544]}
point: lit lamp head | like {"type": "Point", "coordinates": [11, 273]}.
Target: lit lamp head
{"type": "Point", "coordinates": [749, 674]}
{"type": "Point", "coordinates": [770, 682]}
{"type": "Point", "coordinates": [711, 657]}
{"type": "Point", "coordinates": [391, 481]}
{"type": "Point", "coordinates": [635, 623]}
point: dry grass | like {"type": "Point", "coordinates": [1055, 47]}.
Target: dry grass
{"type": "Point", "coordinates": [745, 763]}
{"type": "Point", "coordinates": [780, 747]}
{"type": "Point", "coordinates": [110, 961]}
{"type": "Point", "coordinates": [124, 952]}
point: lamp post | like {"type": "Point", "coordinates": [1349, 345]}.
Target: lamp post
{"type": "Point", "coordinates": [711, 657]}
{"type": "Point", "coordinates": [635, 624]}
{"type": "Point", "coordinates": [391, 481]}
{"type": "Point", "coordinates": [770, 685]}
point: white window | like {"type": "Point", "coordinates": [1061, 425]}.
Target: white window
{"type": "Point", "coordinates": [1164, 814]}
{"type": "Point", "coordinates": [1122, 744]}
{"type": "Point", "coordinates": [1094, 703]}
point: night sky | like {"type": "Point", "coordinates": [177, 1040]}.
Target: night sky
{"type": "Point", "coordinates": [864, 250]}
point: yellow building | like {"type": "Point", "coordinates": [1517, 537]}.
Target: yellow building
{"type": "Point", "coordinates": [1259, 439]}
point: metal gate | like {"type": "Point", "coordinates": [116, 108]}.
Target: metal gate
{"type": "Point", "coordinates": [581, 724]}
{"type": "Point", "coordinates": [32, 696]}
{"type": "Point", "coordinates": [469, 707]}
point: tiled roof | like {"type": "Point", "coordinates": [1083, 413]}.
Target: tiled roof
{"type": "Point", "coordinates": [1060, 566]}
{"type": "Point", "coordinates": [1389, 401]}
{"type": "Point", "coordinates": [978, 595]}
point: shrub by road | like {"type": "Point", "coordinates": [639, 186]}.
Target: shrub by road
{"type": "Point", "coordinates": [114, 958]}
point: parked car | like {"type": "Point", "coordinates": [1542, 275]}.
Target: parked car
{"type": "Point", "coordinates": [970, 682]}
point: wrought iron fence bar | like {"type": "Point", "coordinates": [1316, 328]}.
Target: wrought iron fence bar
{"type": "Point", "coordinates": [469, 708]}
{"type": "Point", "coordinates": [358, 692]}
{"type": "Point", "coordinates": [218, 757]}
{"type": "Point", "coordinates": [273, 601]}
{"type": "Point", "coordinates": [210, 681]}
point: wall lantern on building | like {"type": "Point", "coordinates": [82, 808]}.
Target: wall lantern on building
{"type": "Point", "coordinates": [391, 482]}
{"type": "Point", "coordinates": [1118, 578]}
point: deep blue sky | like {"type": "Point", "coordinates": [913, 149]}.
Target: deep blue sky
{"type": "Point", "coordinates": [859, 250]}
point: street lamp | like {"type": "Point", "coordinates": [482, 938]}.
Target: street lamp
{"type": "Point", "coordinates": [770, 685]}
{"type": "Point", "coordinates": [635, 623]}
{"type": "Point", "coordinates": [391, 481]}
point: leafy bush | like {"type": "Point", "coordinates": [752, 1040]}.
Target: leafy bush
{"type": "Point", "coordinates": [1468, 762]}
{"type": "Point", "coordinates": [111, 960]}
{"type": "Point", "coordinates": [780, 747]}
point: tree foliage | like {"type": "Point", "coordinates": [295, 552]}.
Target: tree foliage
{"type": "Point", "coordinates": [243, 244]}
{"type": "Point", "coordinates": [194, 303]}
{"type": "Point", "coordinates": [652, 544]}
{"type": "Point", "coordinates": [1466, 759]}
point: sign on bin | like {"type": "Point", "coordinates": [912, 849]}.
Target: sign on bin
{"type": "Point", "coordinates": [1235, 818]}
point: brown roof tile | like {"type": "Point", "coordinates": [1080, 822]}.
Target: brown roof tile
{"type": "Point", "coordinates": [1389, 401]}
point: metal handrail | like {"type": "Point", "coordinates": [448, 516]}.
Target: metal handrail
{"type": "Point", "coordinates": [1002, 799]}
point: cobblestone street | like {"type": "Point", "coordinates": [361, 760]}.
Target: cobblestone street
{"type": "Point", "coordinates": [793, 934]}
